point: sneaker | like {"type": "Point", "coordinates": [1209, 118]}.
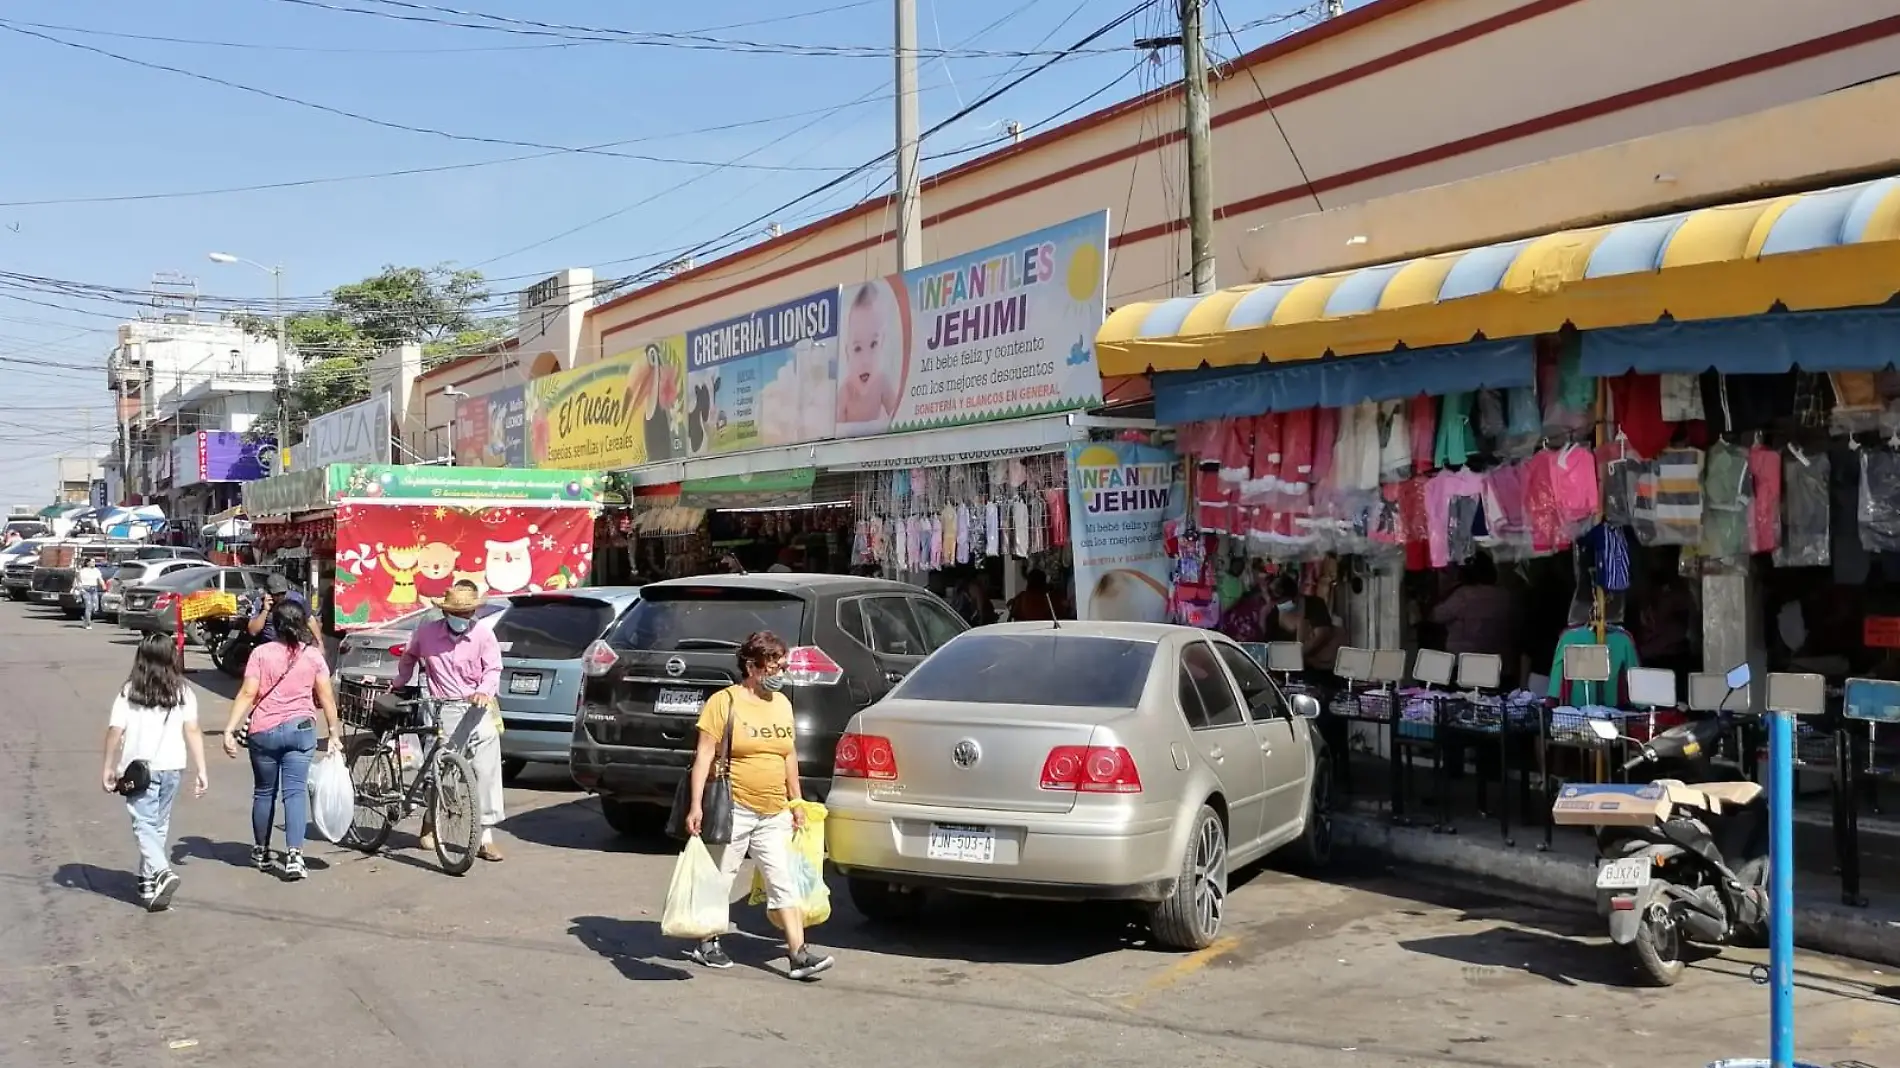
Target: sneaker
{"type": "Point", "coordinates": [708, 954]}
{"type": "Point", "coordinates": [146, 883]}
{"type": "Point", "coordinates": [293, 865]}
{"type": "Point", "coordinates": [163, 887]}
{"type": "Point", "coordinates": [807, 964]}
{"type": "Point", "coordinates": [260, 858]}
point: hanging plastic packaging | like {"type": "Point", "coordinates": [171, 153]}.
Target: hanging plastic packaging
{"type": "Point", "coordinates": [1804, 510]}
{"type": "Point", "coordinates": [1880, 501]}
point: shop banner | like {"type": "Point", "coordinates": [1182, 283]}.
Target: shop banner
{"type": "Point", "coordinates": [397, 557]}
{"type": "Point", "coordinates": [622, 412]}
{"type": "Point", "coordinates": [1005, 332]}
{"type": "Point", "coordinates": [224, 456]}
{"type": "Point", "coordinates": [354, 434]}
{"type": "Point", "coordinates": [763, 379]}
{"type": "Point", "coordinates": [375, 482]}
{"type": "Point", "coordinates": [1120, 494]}
{"type": "Point", "coordinates": [492, 430]}
{"type": "Point", "coordinates": [288, 494]}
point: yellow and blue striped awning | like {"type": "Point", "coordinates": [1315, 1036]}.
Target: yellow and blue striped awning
{"type": "Point", "coordinates": [1832, 248]}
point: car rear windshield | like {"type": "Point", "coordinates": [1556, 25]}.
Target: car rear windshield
{"type": "Point", "coordinates": [552, 628]}
{"type": "Point", "coordinates": [710, 617]}
{"type": "Point", "coordinates": [129, 572]}
{"type": "Point", "coordinates": [185, 577]}
{"type": "Point", "coordinates": [1044, 668]}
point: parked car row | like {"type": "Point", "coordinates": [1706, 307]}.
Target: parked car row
{"type": "Point", "coordinates": [1067, 761]}
{"type": "Point", "coordinates": [45, 570]}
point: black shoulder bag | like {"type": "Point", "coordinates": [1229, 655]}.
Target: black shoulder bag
{"type": "Point", "coordinates": [715, 804]}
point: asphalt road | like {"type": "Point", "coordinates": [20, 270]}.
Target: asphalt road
{"type": "Point", "coordinates": [554, 957]}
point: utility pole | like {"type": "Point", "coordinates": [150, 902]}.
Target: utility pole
{"type": "Point", "coordinates": [282, 391]}
{"type": "Point", "coordinates": [910, 214]}
{"type": "Point", "coordinates": [1200, 136]}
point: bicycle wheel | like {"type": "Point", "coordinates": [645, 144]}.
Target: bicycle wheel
{"type": "Point", "coordinates": [456, 812]}
{"type": "Point", "coordinates": [377, 780]}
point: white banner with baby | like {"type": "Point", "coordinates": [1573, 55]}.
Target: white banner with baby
{"type": "Point", "coordinates": [1002, 333]}
{"type": "Point", "coordinates": [1005, 332]}
{"type": "Point", "coordinates": [1120, 496]}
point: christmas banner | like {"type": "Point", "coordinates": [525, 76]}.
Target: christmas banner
{"type": "Point", "coordinates": [377, 482]}
{"type": "Point", "coordinates": [395, 558]}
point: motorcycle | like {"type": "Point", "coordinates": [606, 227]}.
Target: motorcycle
{"type": "Point", "coordinates": [228, 638]}
{"type": "Point", "coordinates": [1680, 859]}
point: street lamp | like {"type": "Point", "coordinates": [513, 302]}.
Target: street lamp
{"type": "Point", "coordinates": [282, 385]}
{"type": "Point", "coordinates": [453, 393]}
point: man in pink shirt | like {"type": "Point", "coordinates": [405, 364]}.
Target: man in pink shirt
{"type": "Point", "coordinates": [461, 665]}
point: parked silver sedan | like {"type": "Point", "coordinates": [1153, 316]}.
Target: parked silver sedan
{"type": "Point", "coordinates": [1124, 761]}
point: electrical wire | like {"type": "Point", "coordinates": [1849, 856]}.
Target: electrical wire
{"type": "Point", "coordinates": [1272, 112]}
{"type": "Point", "coordinates": [688, 40]}
{"type": "Point", "coordinates": [390, 124]}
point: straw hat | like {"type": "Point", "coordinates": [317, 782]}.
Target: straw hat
{"type": "Point", "coordinates": [460, 600]}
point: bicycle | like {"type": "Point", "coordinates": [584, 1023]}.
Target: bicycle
{"type": "Point", "coordinates": [442, 782]}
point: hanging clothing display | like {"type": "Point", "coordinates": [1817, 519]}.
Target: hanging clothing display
{"type": "Point", "coordinates": [923, 519]}
{"type": "Point", "coordinates": [1727, 497]}
{"type": "Point", "coordinates": [1679, 497]}
{"type": "Point", "coordinates": [1395, 442]}
{"type": "Point", "coordinates": [1455, 442]}
{"type": "Point", "coordinates": [1764, 513]}
{"type": "Point", "coordinates": [1424, 416]}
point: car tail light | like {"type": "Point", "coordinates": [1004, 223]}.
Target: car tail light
{"type": "Point", "coordinates": [599, 659]}
{"type": "Point", "coordinates": [864, 756]}
{"type": "Point", "coordinates": [807, 665]}
{"type": "Point", "coordinates": [164, 602]}
{"type": "Point", "coordinates": [1091, 769]}
{"type": "Point", "coordinates": [396, 650]}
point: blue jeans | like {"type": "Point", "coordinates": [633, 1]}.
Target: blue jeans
{"type": "Point", "coordinates": [88, 604]}
{"type": "Point", "coordinates": [280, 760]}
{"type": "Point", "coordinates": [152, 821]}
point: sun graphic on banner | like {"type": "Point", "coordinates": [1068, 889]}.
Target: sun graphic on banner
{"type": "Point", "coordinates": [1085, 271]}
{"type": "Point", "coordinates": [1098, 456]}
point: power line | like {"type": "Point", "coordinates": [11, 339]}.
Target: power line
{"type": "Point", "coordinates": [389, 124]}
{"type": "Point", "coordinates": [431, 14]}
{"type": "Point", "coordinates": [266, 46]}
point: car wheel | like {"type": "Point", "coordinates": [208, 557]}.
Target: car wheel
{"type": "Point", "coordinates": [1314, 848]}
{"type": "Point", "coordinates": [882, 902]}
{"type": "Point", "coordinates": [511, 768]}
{"type": "Point", "coordinates": [633, 820]}
{"type": "Point", "coordinates": [1191, 917]}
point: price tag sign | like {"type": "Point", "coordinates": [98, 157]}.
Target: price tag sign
{"type": "Point", "coordinates": [1881, 632]}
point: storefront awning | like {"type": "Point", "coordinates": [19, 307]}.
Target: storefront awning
{"type": "Point", "coordinates": [1832, 248]}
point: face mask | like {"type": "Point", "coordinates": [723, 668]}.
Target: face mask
{"type": "Point", "coordinates": [1286, 607]}
{"type": "Point", "coordinates": [773, 683]}
{"type": "Point", "coordinates": [457, 624]}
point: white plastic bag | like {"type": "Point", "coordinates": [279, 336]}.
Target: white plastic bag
{"type": "Point", "coordinates": [332, 797]}
{"type": "Point", "coordinates": [696, 898]}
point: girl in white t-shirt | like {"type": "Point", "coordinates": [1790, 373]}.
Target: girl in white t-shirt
{"type": "Point", "coordinates": [154, 719]}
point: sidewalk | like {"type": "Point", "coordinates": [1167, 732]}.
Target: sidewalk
{"type": "Point", "coordinates": [1478, 858]}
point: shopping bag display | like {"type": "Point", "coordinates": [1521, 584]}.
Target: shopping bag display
{"type": "Point", "coordinates": [332, 797]}
{"type": "Point", "coordinates": [808, 869]}
{"type": "Point", "coordinates": [696, 898]}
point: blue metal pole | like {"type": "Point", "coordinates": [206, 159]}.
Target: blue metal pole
{"type": "Point", "coordinates": [1781, 889]}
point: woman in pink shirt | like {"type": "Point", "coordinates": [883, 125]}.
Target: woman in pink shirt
{"type": "Point", "coordinates": [284, 681]}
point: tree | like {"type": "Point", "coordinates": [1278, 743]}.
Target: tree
{"type": "Point", "coordinates": [441, 308]}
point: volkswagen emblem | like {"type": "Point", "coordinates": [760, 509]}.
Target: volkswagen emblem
{"type": "Point", "coordinates": [966, 754]}
{"type": "Point", "coordinates": [676, 667]}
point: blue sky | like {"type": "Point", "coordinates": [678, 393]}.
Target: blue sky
{"type": "Point", "coordinates": [86, 125]}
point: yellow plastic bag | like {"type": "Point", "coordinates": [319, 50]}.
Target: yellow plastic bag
{"type": "Point", "coordinates": [808, 869]}
{"type": "Point", "coordinates": [696, 898]}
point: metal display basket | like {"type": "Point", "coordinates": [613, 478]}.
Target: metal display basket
{"type": "Point", "coordinates": [1371, 706]}
{"type": "Point", "coordinates": [1422, 714]}
{"type": "Point", "coordinates": [1573, 728]}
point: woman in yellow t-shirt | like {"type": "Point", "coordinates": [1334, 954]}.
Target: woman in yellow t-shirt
{"type": "Point", "coordinates": [763, 768]}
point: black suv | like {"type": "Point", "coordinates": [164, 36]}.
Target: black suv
{"type": "Point", "coordinates": [852, 639]}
